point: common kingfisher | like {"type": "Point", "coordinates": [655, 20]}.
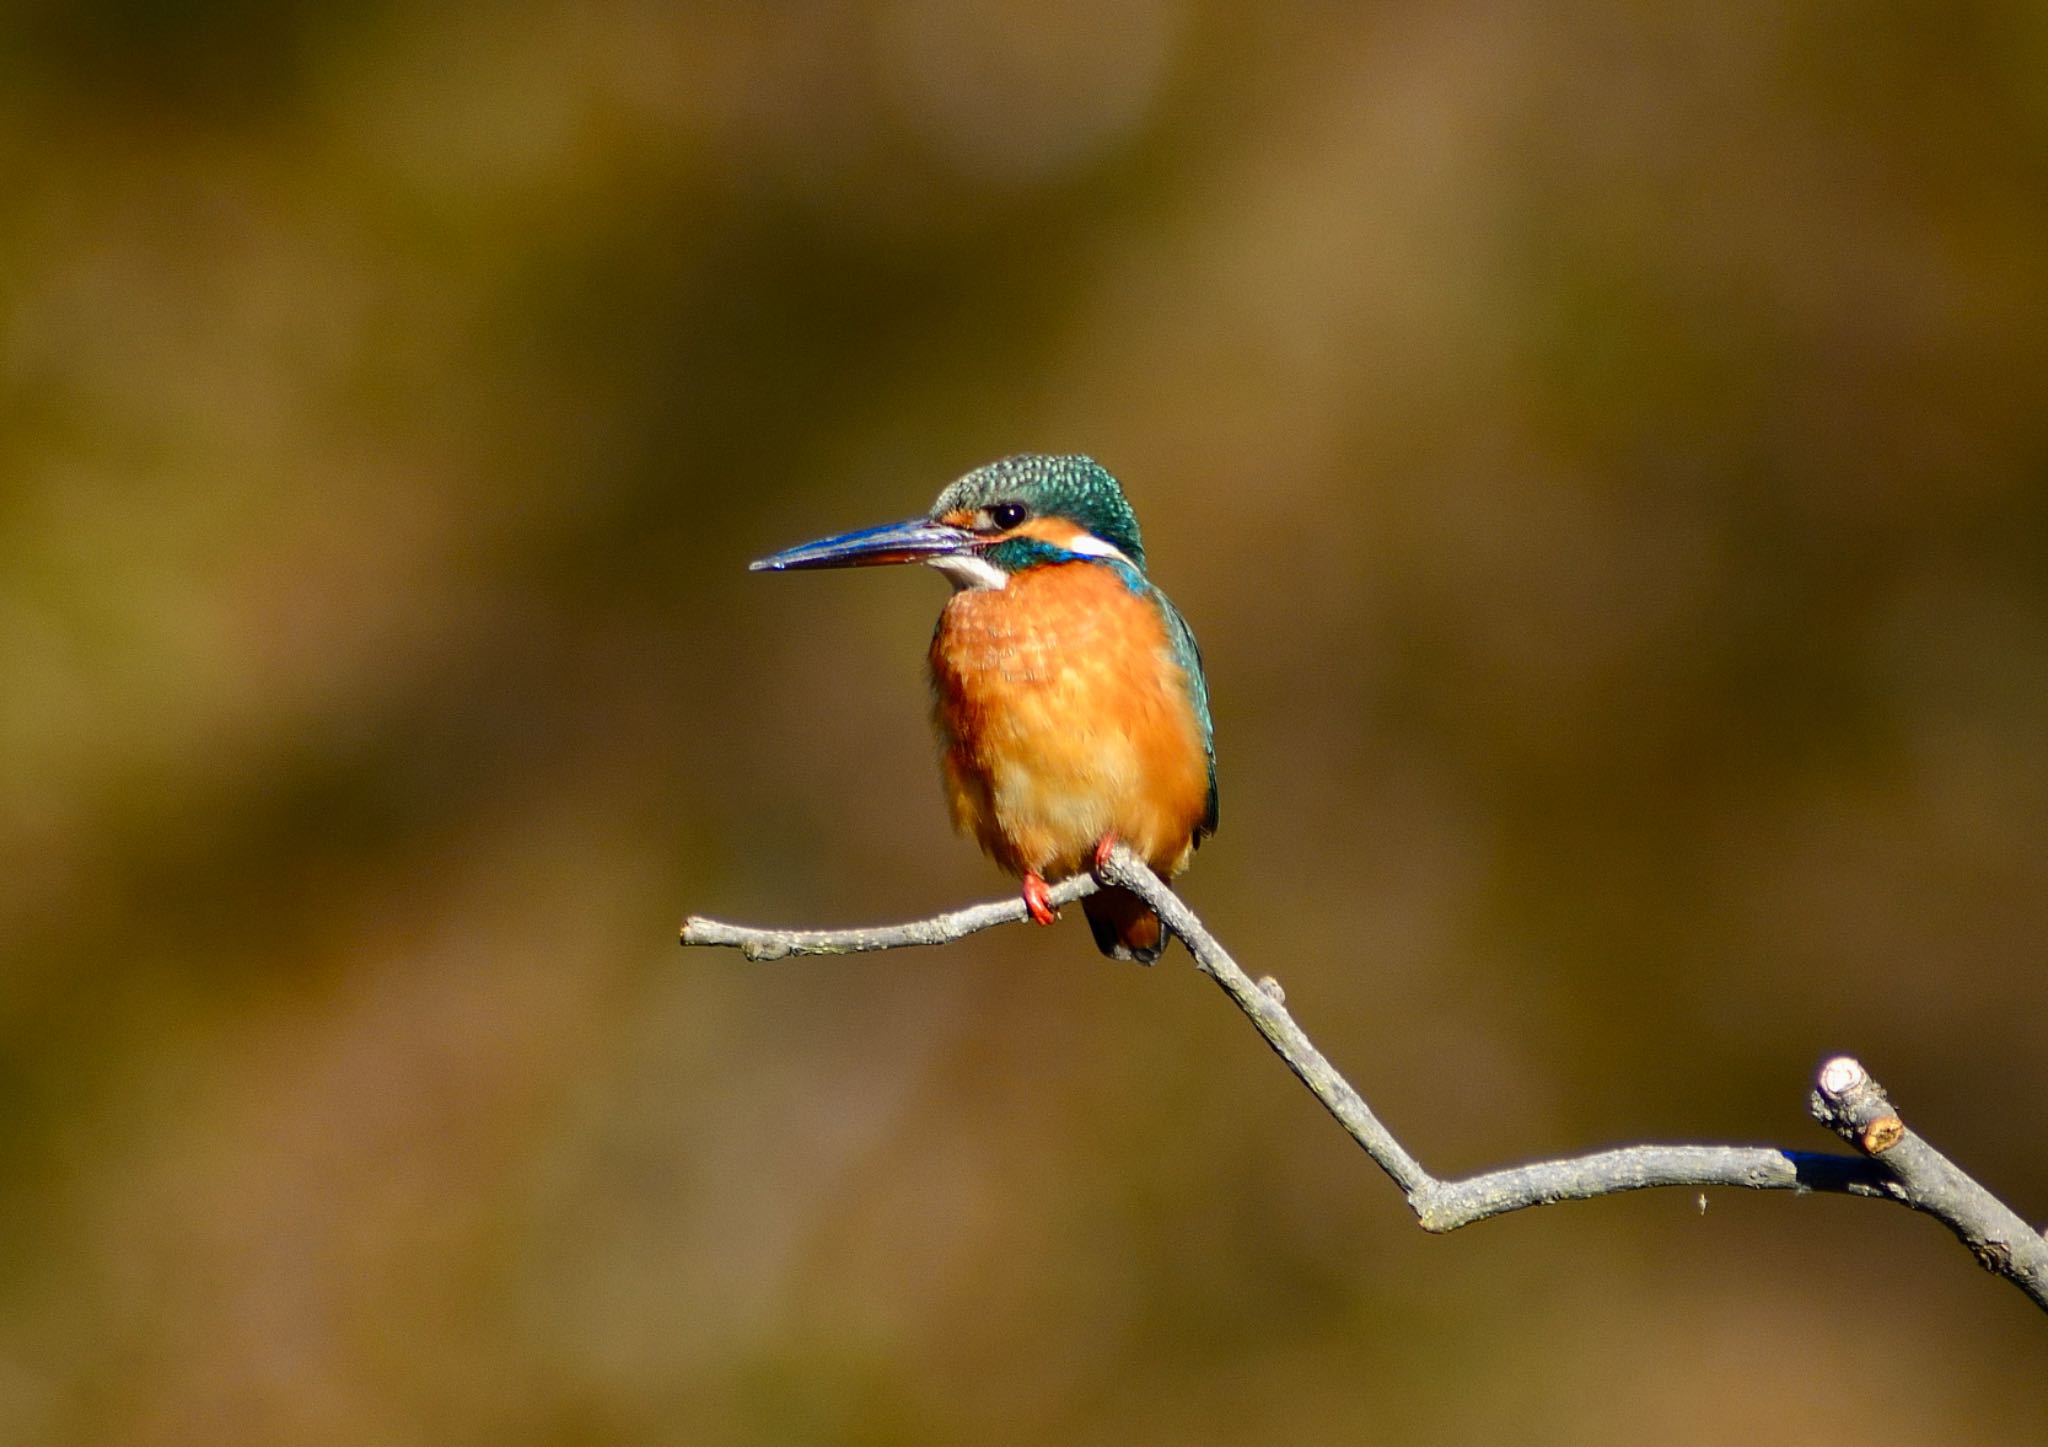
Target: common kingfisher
{"type": "Point", "coordinates": [1067, 691]}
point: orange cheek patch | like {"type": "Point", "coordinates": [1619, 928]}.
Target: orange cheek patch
{"type": "Point", "coordinates": [1058, 531]}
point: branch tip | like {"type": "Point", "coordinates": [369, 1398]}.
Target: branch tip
{"type": "Point", "coordinates": [1841, 1075]}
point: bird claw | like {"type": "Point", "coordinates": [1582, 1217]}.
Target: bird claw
{"type": "Point", "coordinates": [1103, 848]}
{"type": "Point", "coordinates": [1038, 899]}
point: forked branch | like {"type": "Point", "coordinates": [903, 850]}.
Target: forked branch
{"type": "Point", "coordinates": [1892, 1162]}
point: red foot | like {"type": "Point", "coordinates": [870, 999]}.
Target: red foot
{"type": "Point", "coordinates": [1102, 847]}
{"type": "Point", "coordinates": [1038, 899]}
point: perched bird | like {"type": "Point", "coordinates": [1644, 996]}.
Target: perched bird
{"type": "Point", "coordinates": [1067, 691]}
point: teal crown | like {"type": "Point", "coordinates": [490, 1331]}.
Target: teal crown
{"type": "Point", "coordinates": [1077, 488]}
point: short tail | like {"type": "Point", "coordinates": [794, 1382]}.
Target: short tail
{"type": "Point", "coordinates": [1125, 927]}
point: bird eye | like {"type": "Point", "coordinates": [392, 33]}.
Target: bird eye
{"type": "Point", "coordinates": [1008, 514]}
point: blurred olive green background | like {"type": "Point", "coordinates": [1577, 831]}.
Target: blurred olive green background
{"type": "Point", "coordinates": [1601, 448]}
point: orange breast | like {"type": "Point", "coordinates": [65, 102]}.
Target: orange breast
{"type": "Point", "coordinates": [1062, 716]}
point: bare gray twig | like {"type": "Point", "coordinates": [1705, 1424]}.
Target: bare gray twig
{"type": "Point", "coordinates": [941, 929]}
{"type": "Point", "coordinates": [1848, 1102]}
{"type": "Point", "coordinates": [1894, 1165]}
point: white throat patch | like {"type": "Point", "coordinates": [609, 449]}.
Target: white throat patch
{"type": "Point", "coordinates": [970, 570]}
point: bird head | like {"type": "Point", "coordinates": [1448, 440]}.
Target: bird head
{"type": "Point", "coordinates": [1022, 512]}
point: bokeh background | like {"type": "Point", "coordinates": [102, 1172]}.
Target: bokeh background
{"type": "Point", "coordinates": [1601, 448]}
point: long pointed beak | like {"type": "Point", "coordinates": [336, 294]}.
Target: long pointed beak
{"type": "Point", "coordinates": [911, 541]}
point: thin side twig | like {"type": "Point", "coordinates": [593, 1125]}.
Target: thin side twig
{"type": "Point", "coordinates": [940, 929]}
{"type": "Point", "coordinates": [1894, 1164]}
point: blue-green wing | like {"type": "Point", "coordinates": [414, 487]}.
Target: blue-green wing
{"type": "Point", "coordinates": [1188, 654]}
